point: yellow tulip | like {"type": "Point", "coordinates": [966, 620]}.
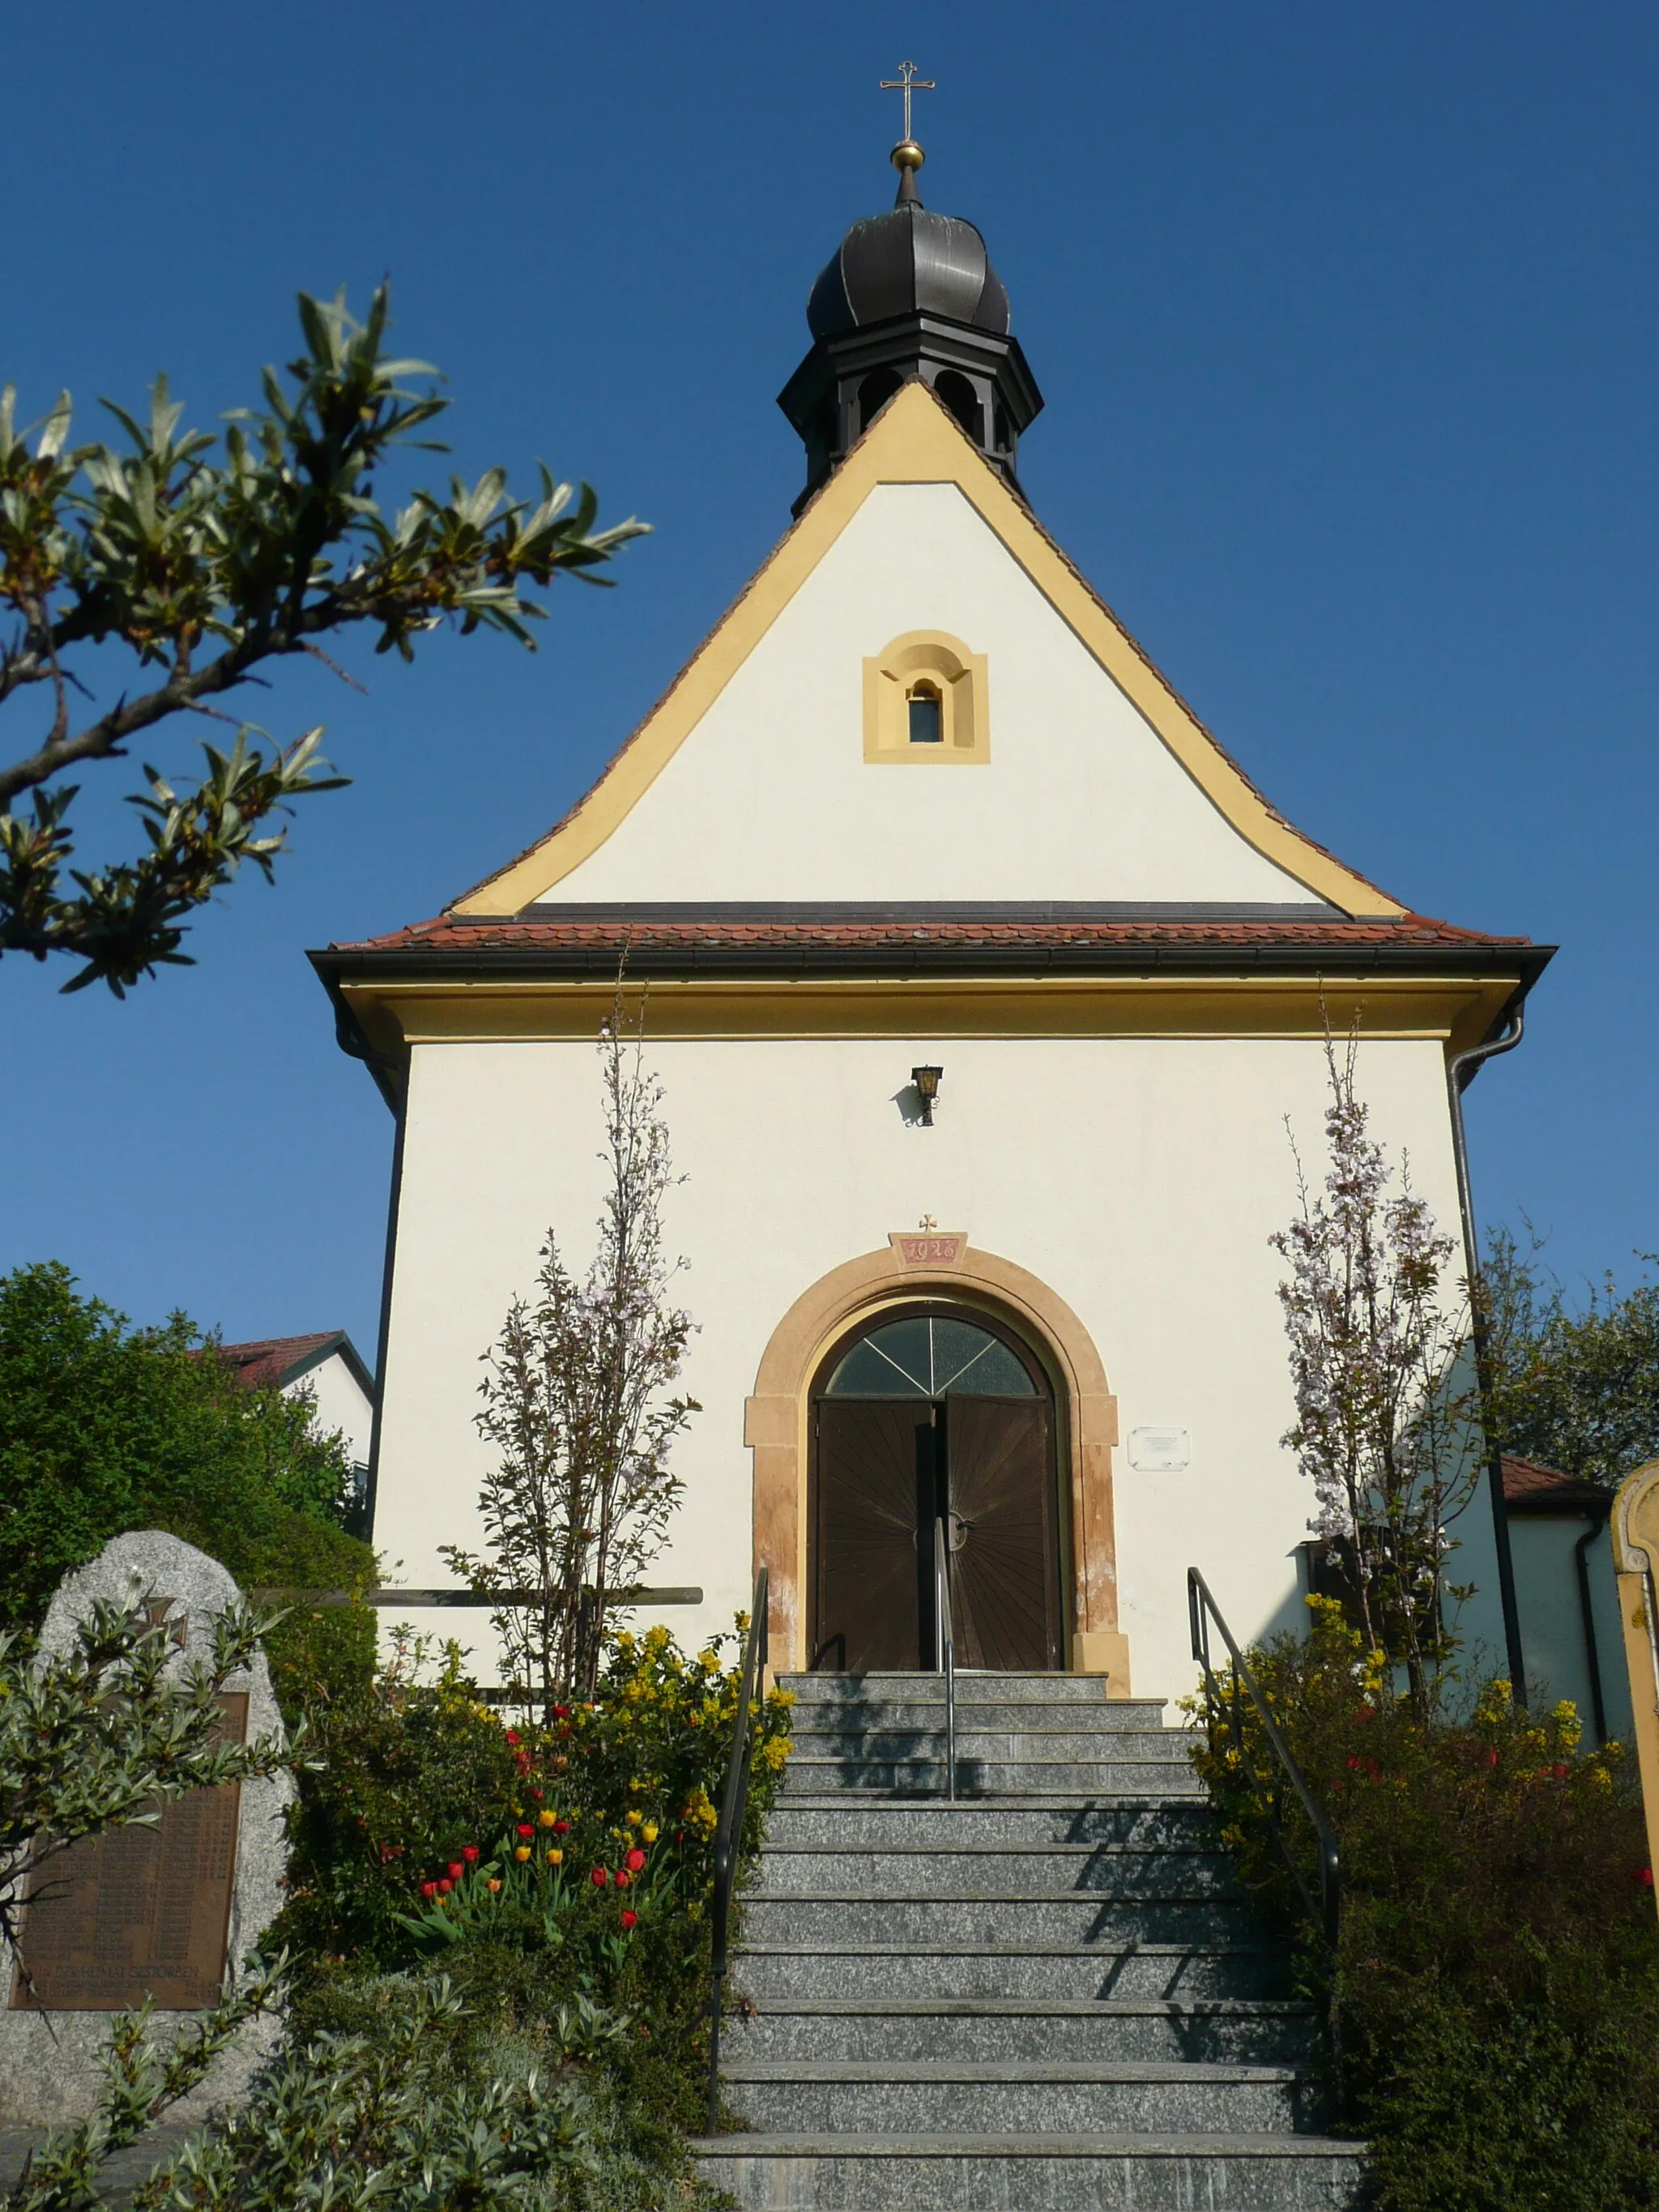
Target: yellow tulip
{"type": "Point", "coordinates": [522, 1853]}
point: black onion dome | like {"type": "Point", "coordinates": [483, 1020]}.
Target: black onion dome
{"type": "Point", "coordinates": [907, 262]}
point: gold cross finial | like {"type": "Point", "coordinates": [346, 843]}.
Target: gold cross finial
{"type": "Point", "coordinates": [908, 81]}
{"type": "Point", "coordinates": [928, 1222]}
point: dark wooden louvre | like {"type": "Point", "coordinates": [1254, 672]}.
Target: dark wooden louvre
{"type": "Point", "coordinates": [875, 1486]}
{"type": "Point", "coordinates": [1005, 1560]}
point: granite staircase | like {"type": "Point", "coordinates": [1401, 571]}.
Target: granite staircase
{"type": "Point", "coordinates": [1047, 1995]}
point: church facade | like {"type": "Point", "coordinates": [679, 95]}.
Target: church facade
{"type": "Point", "coordinates": [987, 993]}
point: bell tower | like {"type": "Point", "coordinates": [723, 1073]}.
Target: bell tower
{"type": "Point", "coordinates": [909, 293]}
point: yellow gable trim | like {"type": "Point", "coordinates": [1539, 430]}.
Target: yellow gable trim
{"type": "Point", "coordinates": [915, 441]}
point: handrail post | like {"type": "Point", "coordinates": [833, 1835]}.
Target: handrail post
{"type": "Point", "coordinates": [945, 1648]}
{"type": "Point", "coordinates": [728, 1836]}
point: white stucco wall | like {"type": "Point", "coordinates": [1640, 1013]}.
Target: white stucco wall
{"type": "Point", "coordinates": [770, 796]}
{"type": "Point", "coordinates": [1141, 1178]}
{"type": "Point", "coordinates": [341, 1403]}
{"type": "Point", "coordinates": [1554, 1642]}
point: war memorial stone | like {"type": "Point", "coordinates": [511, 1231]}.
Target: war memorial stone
{"type": "Point", "coordinates": [163, 1912]}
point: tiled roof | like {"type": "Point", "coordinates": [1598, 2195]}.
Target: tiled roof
{"type": "Point", "coordinates": [1529, 1488]}
{"type": "Point", "coordinates": [267, 1363]}
{"type": "Point", "coordinates": [560, 932]}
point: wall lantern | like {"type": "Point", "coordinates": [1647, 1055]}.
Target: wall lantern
{"type": "Point", "coordinates": [926, 1082]}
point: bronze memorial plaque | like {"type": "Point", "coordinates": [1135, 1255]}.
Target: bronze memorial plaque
{"type": "Point", "coordinates": [138, 1912]}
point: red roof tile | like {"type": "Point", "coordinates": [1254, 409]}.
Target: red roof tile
{"type": "Point", "coordinates": [264, 1364]}
{"type": "Point", "coordinates": [1531, 1488]}
{"type": "Point", "coordinates": [641, 937]}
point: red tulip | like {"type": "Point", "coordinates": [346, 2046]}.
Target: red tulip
{"type": "Point", "coordinates": [444, 1888]}
{"type": "Point", "coordinates": [456, 1869]}
{"type": "Point", "coordinates": [513, 1735]}
{"type": "Point", "coordinates": [630, 1920]}
{"type": "Point", "coordinates": [562, 1827]}
{"type": "Point", "coordinates": [527, 1827]}
{"type": "Point", "coordinates": [470, 1853]}
{"type": "Point", "coordinates": [635, 1861]}
{"type": "Point", "coordinates": [429, 1889]}
{"type": "Point", "coordinates": [599, 1877]}
{"type": "Point", "coordinates": [1643, 1877]}
{"type": "Point", "coordinates": [623, 1878]}
{"type": "Point", "coordinates": [560, 1712]}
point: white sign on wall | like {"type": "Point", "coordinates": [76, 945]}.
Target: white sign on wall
{"type": "Point", "coordinates": [1160, 1451]}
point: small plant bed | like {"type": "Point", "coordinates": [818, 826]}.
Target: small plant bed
{"type": "Point", "coordinates": [498, 1950]}
{"type": "Point", "coordinates": [1497, 1982]}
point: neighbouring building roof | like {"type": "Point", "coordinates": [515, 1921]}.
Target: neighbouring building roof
{"type": "Point", "coordinates": [1529, 1488]}
{"type": "Point", "coordinates": [271, 1363]}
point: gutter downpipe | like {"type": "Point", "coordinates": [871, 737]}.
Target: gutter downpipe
{"type": "Point", "coordinates": [1461, 1070]}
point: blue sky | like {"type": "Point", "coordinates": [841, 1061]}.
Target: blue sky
{"type": "Point", "coordinates": [1346, 321]}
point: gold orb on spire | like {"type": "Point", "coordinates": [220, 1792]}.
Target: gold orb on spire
{"type": "Point", "coordinates": [907, 155]}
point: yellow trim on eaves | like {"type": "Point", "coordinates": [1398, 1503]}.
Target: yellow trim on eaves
{"type": "Point", "coordinates": [1457, 1009]}
{"type": "Point", "coordinates": [914, 441]}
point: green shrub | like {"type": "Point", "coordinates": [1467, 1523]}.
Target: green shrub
{"type": "Point", "coordinates": [106, 1428]}
{"type": "Point", "coordinates": [1498, 1978]}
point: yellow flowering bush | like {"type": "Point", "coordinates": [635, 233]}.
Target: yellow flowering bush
{"type": "Point", "coordinates": [1498, 1979]}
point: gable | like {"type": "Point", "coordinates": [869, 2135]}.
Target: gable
{"type": "Point", "coordinates": [756, 781]}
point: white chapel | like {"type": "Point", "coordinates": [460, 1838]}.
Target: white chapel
{"type": "Point", "coordinates": [983, 983]}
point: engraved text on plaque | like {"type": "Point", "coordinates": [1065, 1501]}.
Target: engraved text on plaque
{"type": "Point", "coordinates": [138, 1911]}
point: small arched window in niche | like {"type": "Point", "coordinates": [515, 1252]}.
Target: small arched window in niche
{"type": "Point", "coordinates": [925, 700]}
{"type": "Point", "coordinates": [926, 714]}
{"type": "Point", "coordinates": [877, 389]}
{"type": "Point", "coordinates": [958, 395]}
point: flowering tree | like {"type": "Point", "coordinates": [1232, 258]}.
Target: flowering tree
{"type": "Point", "coordinates": [1382, 1427]}
{"type": "Point", "coordinates": [576, 1402]}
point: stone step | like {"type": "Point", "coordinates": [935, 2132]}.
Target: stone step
{"type": "Point", "coordinates": [1262, 2031]}
{"type": "Point", "coordinates": [918, 1871]}
{"type": "Point", "coordinates": [929, 1714]}
{"type": "Point", "coordinates": [972, 1683]}
{"type": "Point", "coordinates": [941, 2096]}
{"type": "Point", "coordinates": [1126, 2172]}
{"type": "Point", "coordinates": [878, 1971]}
{"type": "Point", "coordinates": [846, 1822]}
{"type": "Point", "coordinates": [812, 1776]}
{"type": "Point", "coordinates": [1010, 1920]}
{"type": "Point", "coordinates": [1167, 1747]}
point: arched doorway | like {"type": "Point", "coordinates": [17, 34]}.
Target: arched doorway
{"type": "Point", "coordinates": [919, 1413]}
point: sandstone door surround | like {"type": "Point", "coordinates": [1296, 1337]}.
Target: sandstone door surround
{"type": "Point", "coordinates": [943, 1265]}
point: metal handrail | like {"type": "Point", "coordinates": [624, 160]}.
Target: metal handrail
{"type": "Point", "coordinates": [945, 1648]}
{"type": "Point", "coordinates": [1201, 1609]}
{"type": "Point", "coordinates": [728, 1836]}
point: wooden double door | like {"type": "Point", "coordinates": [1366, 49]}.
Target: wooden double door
{"type": "Point", "coordinates": [933, 1415]}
